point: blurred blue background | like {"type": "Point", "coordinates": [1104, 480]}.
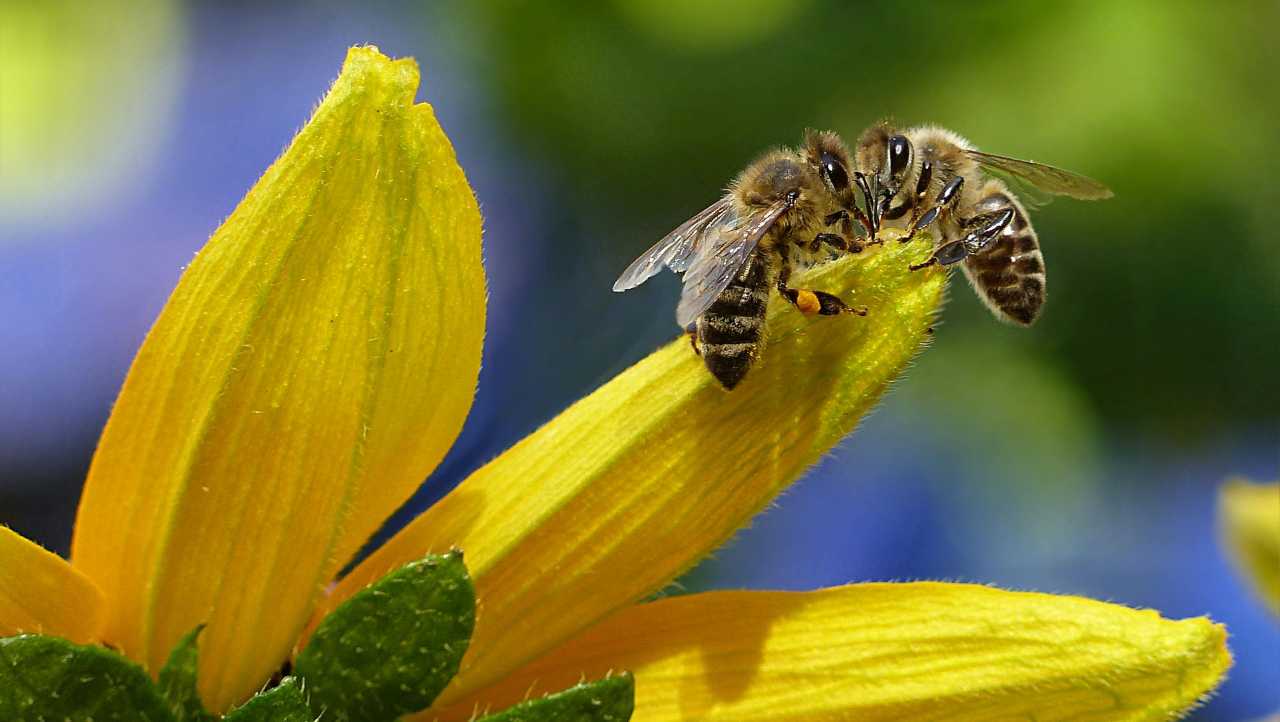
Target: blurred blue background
{"type": "Point", "coordinates": [1081, 456]}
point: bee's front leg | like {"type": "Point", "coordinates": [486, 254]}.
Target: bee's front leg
{"type": "Point", "coordinates": [946, 199]}
{"type": "Point", "coordinates": [845, 221]}
{"type": "Point", "coordinates": [836, 242]}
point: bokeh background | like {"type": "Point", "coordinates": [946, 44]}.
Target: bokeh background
{"type": "Point", "coordinates": [1081, 456]}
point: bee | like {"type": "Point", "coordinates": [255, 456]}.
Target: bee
{"type": "Point", "coordinates": [928, 175]}
{"type": "Point", "coordinates": [781, 210]}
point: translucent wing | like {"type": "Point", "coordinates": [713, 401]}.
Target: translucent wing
{"type": "Point", "coordinates": [1032, 197]}
{"type": "Point", "coordinates": [714, 263]}
{"type": "Point", "coordinates": [675, 249]}
{"type": "Point", "coordinates": [1045, 177]}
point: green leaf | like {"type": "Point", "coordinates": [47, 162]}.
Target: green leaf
{"type": "Point", "coordinates": [391, 648]}
{"type": "Point", "coordinates": [608, 700]}
{"type": "Point", "coordinates": [178, 680]}
{"type": "Point", "coordinates": [47, 678]}
{"type": "Point", "coordinates": [284, 703]}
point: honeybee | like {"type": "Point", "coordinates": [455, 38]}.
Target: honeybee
{"type": "Point", "coordinates": [928, 175]}
{"type": "Point", "coordinates": [783, 208]}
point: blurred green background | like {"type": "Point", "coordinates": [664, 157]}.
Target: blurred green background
{"type": "Point", "coordinates": [1080, 456]}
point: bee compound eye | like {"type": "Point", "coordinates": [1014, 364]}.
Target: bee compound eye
{"type": "Point", "coordinates": [834, 172]}
{"type": "Point", "coordinates": [899, 152]}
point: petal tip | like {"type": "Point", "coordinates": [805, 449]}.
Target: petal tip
{"type": "Point", "coordinates": [368, 60]}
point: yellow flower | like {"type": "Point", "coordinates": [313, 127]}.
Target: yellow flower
{"type": "Point", "coordinates": [317, 360]}
{"type": "Point", "coordinates": [1250, 519]}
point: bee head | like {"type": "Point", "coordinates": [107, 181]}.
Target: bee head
{"type": "Point", "coordinates": [775, 177]}
{"type": "Point", "coordinates": [886, 155]}
{"type": "Point", "coordinates": [873, 147]}
{"type": "Point", "coordinates": [829, 158]}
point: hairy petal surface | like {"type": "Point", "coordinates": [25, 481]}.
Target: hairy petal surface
{"type": "Point", "coordinates": [879, 652]}
{"type": "Point", "coordinates": [636, 482]}
{"type": "Point", "coordinates": [40, 593]}
{"type": "Point", "coordinates": [313, 365]}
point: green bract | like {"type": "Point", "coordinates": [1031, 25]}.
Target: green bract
{"type": "Point", "coordinates": [388, 651]}
{"type": "Point", "coordinates": [391, 648]}
{"type": "Point", "coordinates": [608, 700]}
{"type": "Point", "coordinates": [284, 703]}
{"type": "Point", "coordinates": [178, 680]}
{"type": "Point", "coordinates": [46, 678]}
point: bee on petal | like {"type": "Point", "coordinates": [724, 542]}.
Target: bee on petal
{"type": "Point", "coordinates": [930, 176]}
{"type": "Point", "coordinates": [781, 210]}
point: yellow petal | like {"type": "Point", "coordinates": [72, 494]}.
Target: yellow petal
{"type": "Point", "coordinates": [41, 593]}
{"type": "Point", "coordinates": [872, 652]}
{"type": "Point", "coordinates": [1250, 520]}
{"type": "Point", "coordinates": [633, 484]}
{"type": "Point", "coordinates": [314, 363]}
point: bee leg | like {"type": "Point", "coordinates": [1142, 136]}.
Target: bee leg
{"type": "Point", "coordinates": [836, 242]}
{"type": "Point", "coordinates": [692, 331]}
{"type": "Point", "coordinates": [946, 200]}
{"type": "Point", "coordinates": [917, 201]}
{"type": "Point", "coordinates": [805, 301]}
{"type": "Point", "coordinates": [846, 229]}
{"type": "Point", "coordinates": [831, 305]}
{"type": "Point", "coordinates": [811, 302]}
{"type": "Point", "coordinates": [920, 223]}
{"type": "Point", "coordinates": [846, 221]}
{"type": "Point", "coordinates": [982, 230]}
{"type": "Point", "coordinates": [900, 210]}
{"type": "Point", "coordinates": [854, 243]}
{"type": "Point", "coordinates": [946, 255]}
{"type": "Point", "coordinates": [841, 216]}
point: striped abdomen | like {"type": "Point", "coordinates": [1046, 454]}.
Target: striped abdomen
{"type": "Point", "coordinates": [1009, 273]}
{"type": "Point", "coordinates": [731, 332]}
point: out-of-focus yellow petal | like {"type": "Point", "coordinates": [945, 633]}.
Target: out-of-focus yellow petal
{"type": "Point", "coordinates": [314, 363]}
{"type": "Point", "coordinates": [633, 484]}
{"type": "Point", "coordinates": [1250, 521]}
{"type": "Point", "coordinates": [41, 593]}
{"type": "Point", "coordinates": [88, 96]}
{"type": "Point", "coordinates": [872, 652]}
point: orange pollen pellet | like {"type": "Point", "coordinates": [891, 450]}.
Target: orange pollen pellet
{"type": "Point", "coordinates": [807, 302]}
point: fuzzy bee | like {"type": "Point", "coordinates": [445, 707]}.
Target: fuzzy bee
{"type": "Point", "coordinates": [928, 175]}
{"type": "Point", "coordinates": [782, 209]}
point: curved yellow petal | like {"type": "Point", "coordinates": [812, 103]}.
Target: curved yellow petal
{"type": "Point", "coordinates": [313, 365]}
{"type": "Point", "coordinates": [1250, 520]}
{"type": "Point", "coordinates": [635, 483]}
{"type": "Point", "coordinates": [873, 652]}
{"type": "Point", "coordinates": [41, 593]}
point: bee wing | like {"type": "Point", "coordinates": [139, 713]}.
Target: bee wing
{"type": "Point", "coordinates": [675, 249]}
{"type": "Point", "coordinates": [728, 246]}
{"type": "Point", "coordinates": [1044, 177]}
{"type": "Point", "coordinates": [1033, 199]}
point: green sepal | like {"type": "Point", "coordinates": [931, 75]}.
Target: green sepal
{"type": "Point", "coordinates": [178, 680]}
{"type": "Point", "coordinates": [286, 702]}
{"type": "Point", "coordinates": [607, 700]}
{"type": "Point", "coordinates": [47, 678]}
{"type": "Point", "coordinates": [391, 648]}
